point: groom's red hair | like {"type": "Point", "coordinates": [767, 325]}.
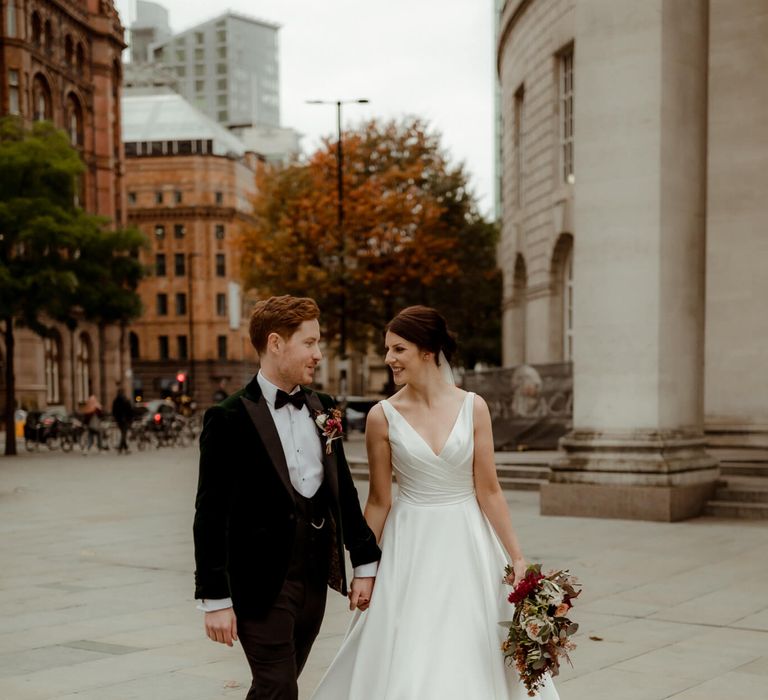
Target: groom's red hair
{"type": "Point", "coordinates": [282, 315]}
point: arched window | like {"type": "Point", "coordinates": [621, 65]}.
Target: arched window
{"type": "Point", "coordinates": [52, 348]}
{"type": "Point", "coordinates": [83, 368]}
{"type": "Point", "coordinates": [48, 34]}
{"type": "Point", "coordinates": [41, 99]}
{"type": "Point", "coordinates": [568, 308]}
{"type": "Point", "coordinates": [133, 342]}
{"type": "Point", "coordinates": [561, 305]}
{"type": "Point", "coordinates": [74, 121]}
{"type": "Point", "coordinates": [80, 59]}
{"type": "Point", "coordinates": [37, 29]}
{"type": "Point", "coordinates": [69, 50]}
{"type": "Point", "coordinates": [519, 311]}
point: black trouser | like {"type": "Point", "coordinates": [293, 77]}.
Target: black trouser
{"type": "Point", "coordinates": [123, 428]}
{"type": "Point", "coordinates": [277, 646]}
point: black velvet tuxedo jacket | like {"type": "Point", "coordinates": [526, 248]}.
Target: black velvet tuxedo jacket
{"type": "Point", "coordinates": [245, 514]}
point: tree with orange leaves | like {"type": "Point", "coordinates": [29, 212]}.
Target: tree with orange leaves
{"type": "Point", "coordinates": [411, 234]}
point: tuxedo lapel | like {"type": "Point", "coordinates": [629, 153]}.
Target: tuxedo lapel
{"type": "Point", "coordinates": [330, 468]}
{"type": "Point", "coordinates": [258, 411]}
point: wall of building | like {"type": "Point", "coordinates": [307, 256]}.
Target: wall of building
{"type": "Point", "coordinates": [736, 385]}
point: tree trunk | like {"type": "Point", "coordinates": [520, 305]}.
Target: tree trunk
{"type": "Point", "coordinates": [10, 390]}
{"type": "Point", "coordinates": [103, 365]}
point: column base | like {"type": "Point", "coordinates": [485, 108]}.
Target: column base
{"type": "Point", "coordinates": [643, 476]}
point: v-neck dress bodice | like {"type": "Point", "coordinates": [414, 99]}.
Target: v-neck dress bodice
{"type": "Point", "coordinates": [426, 478]}
{"type": "Point", "coordinates": [431, 631]}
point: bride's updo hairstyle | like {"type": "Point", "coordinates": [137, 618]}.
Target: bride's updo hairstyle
{"type": "Point", "coordinates": [425, 328]}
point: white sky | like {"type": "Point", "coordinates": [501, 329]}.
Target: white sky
{"type": "Point", "coordinates": [430, 58]}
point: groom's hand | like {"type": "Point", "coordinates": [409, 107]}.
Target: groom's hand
{"type": "Point", "coordinates": [360, 591]}
{"type": "Point", "coordinates": [221, 626]}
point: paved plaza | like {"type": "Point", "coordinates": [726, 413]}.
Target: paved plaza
{"type": "Point", "coordinates": [96, 592]}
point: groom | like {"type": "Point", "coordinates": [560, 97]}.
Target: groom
{"type": "Point", "coordinates": [274, 510]}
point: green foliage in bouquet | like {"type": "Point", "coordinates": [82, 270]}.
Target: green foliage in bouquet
{"type": "Point", "coordinates": [540, 630]}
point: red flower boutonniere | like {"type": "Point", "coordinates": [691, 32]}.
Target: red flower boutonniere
{"type": "Point", "coordinates": [329, 423]}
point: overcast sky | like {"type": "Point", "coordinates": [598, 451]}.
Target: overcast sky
{"type": "Point", "coordinates": [431, 58]}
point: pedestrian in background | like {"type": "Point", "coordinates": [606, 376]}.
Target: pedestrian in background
{"type": "Point", "coordinates": [92, 413]}
{"type": "Point", "coordinates": [122, 412]}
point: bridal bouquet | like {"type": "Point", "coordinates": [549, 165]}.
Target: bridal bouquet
{"type": "Point", "coordinates": [540, 631]}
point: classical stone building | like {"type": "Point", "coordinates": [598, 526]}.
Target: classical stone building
{"type": "Point", "coordinates": [190, 185]}
{"type": "Point", "coordinates": [60, 61]}
{"type": "Point", "coordinates": [634, 243]}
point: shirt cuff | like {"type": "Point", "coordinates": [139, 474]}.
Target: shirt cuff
{"type": "Point", "coordinates": [214, 604]}
{"type": "Point", "coordinates": [367, 570]}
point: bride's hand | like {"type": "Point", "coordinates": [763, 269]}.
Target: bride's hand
{"type": "Point", "coordinates": [519, 566]}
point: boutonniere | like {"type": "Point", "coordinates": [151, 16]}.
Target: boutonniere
{"type": "Point", "coordinates": [329, 423]}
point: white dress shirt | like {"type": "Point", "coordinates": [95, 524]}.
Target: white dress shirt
{"type": "Point", "coordinates": [303, 451]}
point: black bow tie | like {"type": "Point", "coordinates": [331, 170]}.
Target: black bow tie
{"type": "Point", "coordinates": [298, 399]}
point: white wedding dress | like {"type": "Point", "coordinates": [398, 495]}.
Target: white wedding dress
{"type": "Point", "coordinates": [431, 631]}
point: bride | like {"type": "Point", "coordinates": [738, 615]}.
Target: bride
{"type": "Point", "coordinates": [430, 630]}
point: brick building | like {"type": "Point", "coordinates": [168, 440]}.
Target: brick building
{"type": "Point", "coordinates": [60, 61]}
{"type": "Point", "coordinates": [190, 184]}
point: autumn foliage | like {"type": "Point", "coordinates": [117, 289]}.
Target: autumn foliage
{"type": "Point", "coordinates": [409, 226]}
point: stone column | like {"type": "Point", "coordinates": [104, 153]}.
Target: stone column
{"type": "Point", "coordinates": [637, 446]}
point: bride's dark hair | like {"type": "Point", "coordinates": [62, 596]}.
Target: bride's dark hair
{"type": "Point", "coordinates": [426, 328]}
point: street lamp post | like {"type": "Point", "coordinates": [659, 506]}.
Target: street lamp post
{"type": "Point", "coordinates": [340, 217]}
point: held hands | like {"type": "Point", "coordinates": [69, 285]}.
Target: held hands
{"type": "Point", "coordinates": [360, 591]}
{"type": "Point", "coordinates": [221, 626]}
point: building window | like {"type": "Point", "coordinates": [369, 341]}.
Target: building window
{"type": "Point", "coordinates": [221, 52]}
{"type": "Point", "coordinates": [181, 346]}
{"type": "Point", "coordinates": [221, 35]}
{"type": "Point", "coordinates": [221, 84]}
{"type": "Point", "coordinates": [133, 344]}
{"type": "Point", "coordinates": [160, 232]}
{"type": "Point", "coordinates": [566, 115]}
{"type": "Point", "coordinates": [221, 68]}
{"type": "Point", "coordinates": [222, 115]}
{"type": "Point", "coordinates": [181, 55]}
{"type": "Point", "coordinates": [162, 346]}
{"type": "Point", "coordinates": [74, 121]}
{"type": "Point", "coordinates": [199, 54]}
{"type": "Point", "coordinates": [52, 370]}
{"type": "Point", "coordinates": [10, 20]}
{"type": "Point", "coordinates": [131, 198]}
{"type": "Point", "coordinates": [14, 105]}
{"type": "Point", "coordinates": [518, 144]}
{"type": "Point", "coordinates": [199, 38]}
{"type": "Point", "coordinates": [177, 197]}
{"type": "Point", "coordinates": [221, 100]}
{"type": "Point", "coordinates": [41, 99]}
{"type": "Point", "coordinates": [181, 304]}
{"type": "Point", "coordinates": [199, 85]}
{"type": "Point", "coordinates": [179, 264]}
{"type": "Point", "coordinates": [219, 198]}
{"type": "Point", "coordinates": [158, 197]}
{"type": "Point", "coordinates": [162, 304]}
{"type": "Point", "coordinates": [219, 232]}
{"type": "Point", "coordinates": [221, 267]}
{"type": "Point", "coordinates": [80, 59]}
{"type": "Point", "coordinates": [178, 231]}
{"type": "Point", "coordinates": [221, 347]}
{"type": "Point", "coordinates": [83, 368]}
{"type": "Point", "coordinates": [568, 308]}
{"type": "Point", "coordinates": [160, 264]}
{"type": "Point", "coordinates": [181, 71]}
{"type": "Point", "coordinates": [37, 29]}
{"type": "Point", "coordinates": [199, 70]}
{"type": "Point", "coordinates": [221, 304]}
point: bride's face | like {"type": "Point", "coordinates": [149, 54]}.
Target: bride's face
{"type": "Point", "coordinates": [404, 358]}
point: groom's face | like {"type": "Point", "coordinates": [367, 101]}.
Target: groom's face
{"type": "Point", "coordinates": [300, 354]}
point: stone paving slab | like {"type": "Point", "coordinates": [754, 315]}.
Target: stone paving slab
{"type": "Point", "coordinates": [96, 592]}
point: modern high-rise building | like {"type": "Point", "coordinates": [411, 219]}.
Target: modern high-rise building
{"type": "Point", "coordinates": [227, 67]}
{"type": "Point", "coordinates": [150, 26]}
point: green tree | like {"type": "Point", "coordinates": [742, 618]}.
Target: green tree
{"type": "Point", "coordinates": [57, 262]}
{"type": "Point", "coordinates": [411, 234]}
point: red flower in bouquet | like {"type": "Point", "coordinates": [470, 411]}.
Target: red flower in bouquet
{"type": "Point", "coordinates": [539, 633]}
